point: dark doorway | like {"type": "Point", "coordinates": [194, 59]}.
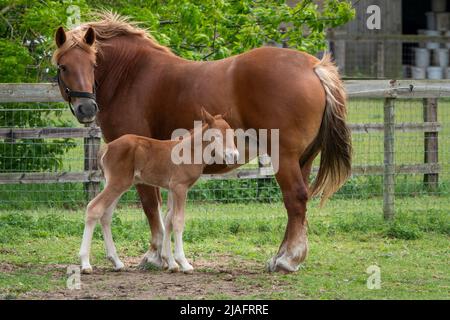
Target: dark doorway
{"type": "Point", "coordinates": [413, 15]}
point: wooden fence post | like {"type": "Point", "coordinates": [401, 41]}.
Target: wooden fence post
{"type": "Point", "coordinates": [431, 153]}
{"type": "Point", "coordinates": [91, 149]}
{"type": "Point", "coordinates": [389, 163]}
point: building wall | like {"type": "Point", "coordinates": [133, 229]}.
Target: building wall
{"type": "Point", "coordinates": [359, 58]}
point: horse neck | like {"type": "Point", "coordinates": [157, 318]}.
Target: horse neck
{"type": "Point", "coordinates": [119, 61]}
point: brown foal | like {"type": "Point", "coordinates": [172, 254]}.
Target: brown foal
{"type": "Point", "coordinates": [133, 159]}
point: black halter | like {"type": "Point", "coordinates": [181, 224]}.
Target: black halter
{"type": "Point", "coordinates": [75, 94]}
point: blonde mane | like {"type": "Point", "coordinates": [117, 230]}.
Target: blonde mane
{"type": "Point", "coordinates": [108, 25]}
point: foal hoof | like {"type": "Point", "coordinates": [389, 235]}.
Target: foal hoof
{"type": "Point", "coordinates": [86, 270]}
{"type": "Point", "coordinates": [186, 268]}
{"type": "Point", "coordinates": [175, 268]}
{"type": "Point", "coordinates": [188, 271]}
{"type": "Point", "coordinates": [119, 267]}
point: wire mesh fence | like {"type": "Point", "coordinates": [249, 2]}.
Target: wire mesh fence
{"type": "Point", "coordinates": [45, 158]}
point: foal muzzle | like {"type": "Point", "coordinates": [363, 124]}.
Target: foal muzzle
{"type": "Point", "coordinates": [231, 156]}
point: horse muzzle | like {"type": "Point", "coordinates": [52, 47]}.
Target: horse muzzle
{"type": "Point", "coordinates": [86, 110]}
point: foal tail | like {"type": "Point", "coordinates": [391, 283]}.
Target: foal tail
{"type": "Point", "coordinates": [334, 138]}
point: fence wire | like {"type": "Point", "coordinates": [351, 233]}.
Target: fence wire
{"type": "Point", "coordinates": [64, 155]}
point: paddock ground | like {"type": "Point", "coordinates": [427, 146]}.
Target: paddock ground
{"type": "Point", "coordinates": [229, 245]}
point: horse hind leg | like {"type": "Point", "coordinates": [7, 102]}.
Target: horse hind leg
{"type": "Point", "coordinates": [294, 248]}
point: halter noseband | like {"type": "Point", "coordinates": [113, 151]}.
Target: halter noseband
{"type": "Point", "coordinates": [76, 94]}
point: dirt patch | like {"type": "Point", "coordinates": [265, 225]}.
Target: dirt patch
{"type": "Point", "coordinates": [7, 267]}
{"type": "Point", "coordinates": [217, 276]}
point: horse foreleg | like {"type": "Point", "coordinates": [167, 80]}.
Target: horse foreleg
{"type": "Point", "coordinates": [111, 252]}
{"type": "Point", "coordinates": [294, 248]}
{"type": "Point", "coordinates": [151, 202]}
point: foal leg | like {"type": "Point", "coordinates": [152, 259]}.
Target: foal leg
{"type": "Point", "coordinates": [111, 252]}
{"type": "Point", "coordinates": [294, 247]}
{"type": "Point", "coordinates": [151, 202]}
{"type": "Point", "coordinates": [178, 227]}
{"type": "Point", "coordinates": [95, 210]}
{"type": "Point", "coordinates": [166, 253]}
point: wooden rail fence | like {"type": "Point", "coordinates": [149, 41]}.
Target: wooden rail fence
{"type": "Point", "coordinates": [390, 91]}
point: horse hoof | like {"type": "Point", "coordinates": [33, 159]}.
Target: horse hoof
{"type": "Point", "coordinates": [152, 261]}
{"type": "Point", "coordinates": [143, 264]}
{"type": "Point", "coordinates": [280, 264]}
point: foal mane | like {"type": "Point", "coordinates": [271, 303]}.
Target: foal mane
{"type": "Point", "coordinates": [108, 25]}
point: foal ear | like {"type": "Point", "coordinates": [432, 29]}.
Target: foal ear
{"type": "Point", "coordinates": [227, 115]}
{"type": "Point", "coordinates": [89, 37]}
{"type": "Point", "coordinates": [60, 37]}
{"type": "Point", "coordinates": [207, 117]}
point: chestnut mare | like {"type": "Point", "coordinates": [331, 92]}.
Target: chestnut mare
{"type": "Point", "coordinates": [133, 159]}
{"type": "Point", "coordinates": [142, 88]}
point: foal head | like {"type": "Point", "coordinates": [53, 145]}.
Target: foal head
{"type": "Point", "coordinates": [75, 59]}
{"type": "Point", "coordinates": [223, 138]}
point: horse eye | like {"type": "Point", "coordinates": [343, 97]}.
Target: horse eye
{"type": "Point", "coordinates": [62, 68]}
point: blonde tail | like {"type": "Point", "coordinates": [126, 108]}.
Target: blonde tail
{"type": "Point", "coordinates": [334, 138]}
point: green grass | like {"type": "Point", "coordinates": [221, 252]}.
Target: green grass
{"type": "Point", "coordinates": [346, 237]}
{"type": "Point", "coordinates": [41, 226]}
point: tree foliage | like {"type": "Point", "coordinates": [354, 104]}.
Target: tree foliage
{"type": "Point", "coordinates": [200, 30]}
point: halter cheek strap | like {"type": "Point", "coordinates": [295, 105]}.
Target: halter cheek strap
{"type": "Point", "coordinates": [76, 94]}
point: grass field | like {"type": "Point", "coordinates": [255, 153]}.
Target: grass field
{"type": "Point", "coordinates": [229, 246]}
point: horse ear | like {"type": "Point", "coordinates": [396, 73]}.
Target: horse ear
{"type": "Point", "coordinates": [60, 37]}
{"type": "Point", "coordinates": [207, 117]}
{"type": "Point", "coordinates": [89, 37]}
